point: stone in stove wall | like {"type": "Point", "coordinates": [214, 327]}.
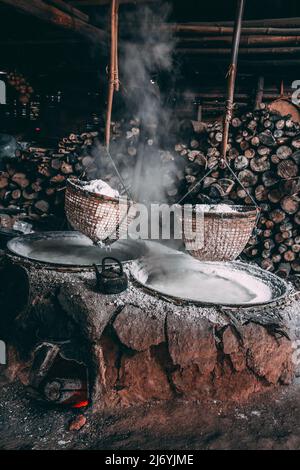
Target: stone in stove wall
{"type": "Point", "coordinates": [197, 360]}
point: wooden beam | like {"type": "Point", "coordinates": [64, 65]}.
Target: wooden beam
{"type": "Point", "coordinates": [40, 42]}
{"type": "Point", "coordinates": [272, 22]}
{"type": "Point", "coordinates": [53, 15]}
{"type": "Point", "coordinates": [90, 3]}
{"type": "Point", "coordinates": [227, 30]}
{"type": "Point", "coordinates": [251, 40]}
{"type": "Point", "coordinates": [242, 51]}
{"type": "Point", "coordinates": [212, 64]}
{"type": "Point", "coordinates": [69, 9]}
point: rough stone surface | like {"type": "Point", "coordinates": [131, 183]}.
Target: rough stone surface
{"type": "Point", "coordinates": [235, 386]}
{"type": "Point", "coordinates": [139, 329]}
{"type": "Point", "coordinates": [91, 311]}
{"type": "Point", "coordinates": [77, 423]}
{"type": "Point", "coordinates": [105, 357]}
{"type": "Point", "coordinates": [268, 356]}
{"type": "Point", "coordinates": [15, 368]}
{"type": "Point", "coordinates": [191, 340]}
{"type": "Point", "coordinates": [142, 379]}
{"type": "Point", "coordinates": [233, 348]}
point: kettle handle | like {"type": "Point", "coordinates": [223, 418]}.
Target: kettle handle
{"type": "Point", "coordinates": [116, 261]}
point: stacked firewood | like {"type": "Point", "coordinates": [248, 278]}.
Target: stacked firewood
{"type": "Point", "coordinates": [34, 181]}
{"type": "Point", "coordinates": [264, 154]}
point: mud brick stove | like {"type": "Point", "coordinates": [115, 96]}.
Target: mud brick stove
{"type": "Point", "coordinates": [136, 347]}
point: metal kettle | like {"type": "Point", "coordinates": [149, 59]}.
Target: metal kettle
{"type": "Point", "coordinates": [111, 280]}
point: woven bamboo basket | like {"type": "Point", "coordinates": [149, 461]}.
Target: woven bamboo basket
{"type": "Point", "coordinates": [101, 218]}
{"type": "Point", "coordinates": [221, 236]}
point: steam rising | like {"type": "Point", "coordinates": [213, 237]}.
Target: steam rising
{"type": "Point", "coordinates": [144, 57]}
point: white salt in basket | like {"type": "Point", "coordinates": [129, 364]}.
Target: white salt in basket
{"type": "Point", "coordinates": [103, 219]}
{"type": "Point", "coordinates": [223, 233]}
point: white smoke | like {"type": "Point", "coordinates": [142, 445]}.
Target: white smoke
{"type": "Point", "coordinates": [146, 55]}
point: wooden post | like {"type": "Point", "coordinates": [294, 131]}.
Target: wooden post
{"type": "Point", "coordinates": [232, 75]}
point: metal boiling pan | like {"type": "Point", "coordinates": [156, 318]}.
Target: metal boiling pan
{"type": "Point", "coordinates": [72, 249]}
{"type": "Point", "coordinates": [184, 278]}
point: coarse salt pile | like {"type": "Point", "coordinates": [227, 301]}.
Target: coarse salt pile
{"type": "Point", "coordinates": [101, 187]}
{"type": "Point", "coordinates": [219, 208]}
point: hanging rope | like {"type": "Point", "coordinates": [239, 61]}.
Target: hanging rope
{"type": "Point", "coordinates": [113, 84]}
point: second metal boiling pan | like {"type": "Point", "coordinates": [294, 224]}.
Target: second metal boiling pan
{"type": "Point", "coordinates": [184, 278]}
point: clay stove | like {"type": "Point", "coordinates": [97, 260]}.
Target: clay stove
{"type": "Point", "coordinates": [140, 346]}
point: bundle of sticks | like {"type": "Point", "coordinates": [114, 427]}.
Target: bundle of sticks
{"type": "Point", "coordinates": [264, 153]}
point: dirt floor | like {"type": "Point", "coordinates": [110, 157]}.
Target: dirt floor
{"type": "Point", "coordinates": [269, 422]}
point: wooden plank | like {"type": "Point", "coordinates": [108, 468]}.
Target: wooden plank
{"type": "Point", "coordinates": [69, 9]}
{"type": "Point", "coordinates": [53, 15]}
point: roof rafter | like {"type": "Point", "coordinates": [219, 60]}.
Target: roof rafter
{"type": "Point", "coordinates": [54, 15]}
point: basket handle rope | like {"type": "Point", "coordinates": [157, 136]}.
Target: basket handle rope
{"type": "Point", "coordinates": [115, 169]}
{"type": "Point", "coordinates": [107, 240]}
{"type": "Point", "coordinates": [235, 177]}
{"type": "Point", "coordinates": [246, 191]}
{"type": "Point", "coordinates": [196, 185]}
{"type": "Point", "coordinates": [118, 174]}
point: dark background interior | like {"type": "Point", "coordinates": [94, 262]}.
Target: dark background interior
{"type": "Point", "coordinates": [54, 60]}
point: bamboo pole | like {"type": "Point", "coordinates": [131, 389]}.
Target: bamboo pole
{"type": "Point", "coordinates": [117, 83]}
{"type": "Point", "coordinates": [113, 73]}
{"type": "Point", "coordinates": [220, 95]}
{"type": "Point", "coordinates": [270, 22]}
{"type": "Point", "coordinates": [232, 75]}
{"type": "Point", "coordinates": [254, 40]}
{"type": "Point", "coordinates": [218, 61]}
{"type": "Point", "coordinates": [242, 51]}
{"type": "Point", "coordinates": [228, 30]}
